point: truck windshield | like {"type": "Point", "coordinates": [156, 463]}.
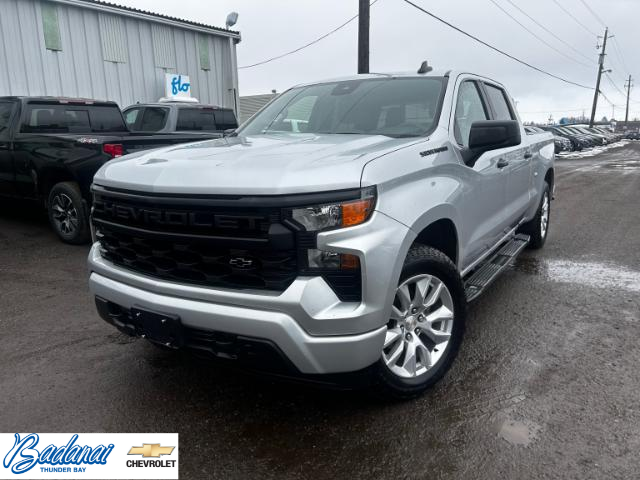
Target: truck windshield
{"type": "Point", "coordinates": [395, 107]}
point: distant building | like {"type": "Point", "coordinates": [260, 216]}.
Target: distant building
{"type": "Point", "coordinates": [93, 49]}
{"type": "Point", "coordinates": [630, 126]}
{"type": "Point", "coordinates": [250, 104]}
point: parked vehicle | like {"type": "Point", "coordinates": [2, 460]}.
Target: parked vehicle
{"type": "Point", "coordinates": [598, 138]}
{"type": "Point", "coordinates": [170, 117]}
{"type": "Point", "coordinates": [632, 135]}
{"type": "Point", "coordinates": [579, 139]}
{"type": "Point", "coordinates": [612, 137]}
{"type": "Point", "coordinates": [349, 250]}
{"type": "Point", "coordinates": [50, 148]}
{"type": "Point", "coordinates": [562, 144]}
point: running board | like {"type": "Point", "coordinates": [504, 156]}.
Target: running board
{"type": "Point", "coordinates": [489, 270]}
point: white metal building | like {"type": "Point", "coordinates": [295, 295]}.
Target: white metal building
{"type": "Point", "coordinates": [93, 49]}
{"type": "Point", "coordinates": [250, 104]}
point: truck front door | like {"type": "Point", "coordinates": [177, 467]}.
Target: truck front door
{"type": "Point", "coordinates": [484, 197]}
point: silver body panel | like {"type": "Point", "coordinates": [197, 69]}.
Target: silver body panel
{"type": "Point", "coordinates": [483, 202]}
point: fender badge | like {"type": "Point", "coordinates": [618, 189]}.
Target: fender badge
{"type": "Point", "coordinates": [433, 151]}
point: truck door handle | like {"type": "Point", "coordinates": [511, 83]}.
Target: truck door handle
{"type": "Point", "coordinates": [502, 163]}
{"type": "Point", "coordinates": [528, 155]}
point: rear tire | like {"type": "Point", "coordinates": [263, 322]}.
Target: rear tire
{"type": "Point", "coordinates": [538, 228]}
{"type": "Point", "coordinates": [431, 333]}
{"type": "Point", "coordinates": [67, 214]}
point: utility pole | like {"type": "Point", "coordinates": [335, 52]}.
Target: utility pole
{"type": "Point", "coordinates": [628, 86]}
{"type": "Point", "coordinates": [600, 69]}
{"type": "Point", "coordinates": [363, 37]}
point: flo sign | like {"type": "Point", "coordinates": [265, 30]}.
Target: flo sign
{"type": "Point", "coordinates": [177, 86]}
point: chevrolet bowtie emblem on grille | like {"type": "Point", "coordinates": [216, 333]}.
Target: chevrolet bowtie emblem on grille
{"type": "Point", "coordinates": [241, 262]}
{"type": "Point", "coordinates": [151, 450]}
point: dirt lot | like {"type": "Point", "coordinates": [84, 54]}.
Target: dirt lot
{"type": "Point", "coordinates": [546, 384]}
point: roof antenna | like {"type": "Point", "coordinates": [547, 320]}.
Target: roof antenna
{"type": "Point", "coordinates": [424, 68]}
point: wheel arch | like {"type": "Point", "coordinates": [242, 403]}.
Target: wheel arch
{"type": "Point", "coordinates": [441, 235]}
{"type": "Point", "coordinates": [439, 228]}
{"type": "Point", "coordinates": [49, 177]}
{"type": "Point", "coordinates": [549, 177]}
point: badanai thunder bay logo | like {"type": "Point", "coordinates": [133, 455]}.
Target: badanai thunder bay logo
{"type": "Point", "coordinates": [24, 455]}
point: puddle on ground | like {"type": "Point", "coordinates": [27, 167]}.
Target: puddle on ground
{"type": "Point", "coordinates": [518, 433]}
{"type": "Point", "coordinates": [591, 274]}
{"type": "Point", "coordinates": [624, 166]}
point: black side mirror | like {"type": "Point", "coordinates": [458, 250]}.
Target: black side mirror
{"type": "Point", "coordinates": [490, 135]}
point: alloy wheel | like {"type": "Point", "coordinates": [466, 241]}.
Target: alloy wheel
{"type": "Point", "coordinates": [420, 326]}
{"type": "Point", "coordinates": [65, 215]}
{"type": "Point", "coordinates": [544, 215]}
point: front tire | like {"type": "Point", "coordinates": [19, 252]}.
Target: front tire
{"type": "Point", "coordinates": [67, 214]}
{"type": "Point", "coordinates": [426, 325]}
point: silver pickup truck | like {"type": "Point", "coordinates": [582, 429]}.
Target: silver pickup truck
{"type": "Point", "coordinates": [339, 234]}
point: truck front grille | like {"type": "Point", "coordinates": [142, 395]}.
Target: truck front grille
{"type": "Point", "coordinates": [199, 262]}
{"type": "Point", "coordinates": [227, 242]}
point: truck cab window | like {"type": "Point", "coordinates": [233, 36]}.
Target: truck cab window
{"type": "Point", "coordinates": [469, 108]}
{"type": "Point", "coordinates": [499, 103]}
{"type": "Point", "coordinates": [153, 119]}
{"type": "Point", "coordinates": [196, 119]}
{"type": "Point", "coordinates": [225, 119]}
{"type": "Point", "coordinates": [131, 117]}
{"type": "Point", "coordinates": [71, 119]}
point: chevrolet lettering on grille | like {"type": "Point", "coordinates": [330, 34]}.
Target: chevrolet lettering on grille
{"type": "Point", "coordinates": [156, 216]}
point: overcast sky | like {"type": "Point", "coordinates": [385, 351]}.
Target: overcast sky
{"type": "Point", "coordinates": [401, 37]}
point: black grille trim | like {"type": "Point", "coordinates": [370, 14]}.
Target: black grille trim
{"type": "Point", "coordinates": [212, 255]}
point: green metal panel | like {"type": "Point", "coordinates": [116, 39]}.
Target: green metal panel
{"type": "Point", "coordinates": [203, 51]}
{"type": "Point", "coordinates": [51, 27]}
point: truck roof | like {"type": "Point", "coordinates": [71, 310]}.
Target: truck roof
{"type": "Point", "coordinates": [61, 100]}
{"type": "Point", "coordinates": [413, 74]}
{"type": "Point", "coordinates": [178, 105]}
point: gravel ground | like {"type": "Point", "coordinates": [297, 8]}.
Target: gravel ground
{"type": "Point", "coordinates": [545, 386]}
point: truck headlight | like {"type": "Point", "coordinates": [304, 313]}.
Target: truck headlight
{"type": "Point", "coordinates": [337, 215]}
{"type": "Point", "coordinates": [321, 259]}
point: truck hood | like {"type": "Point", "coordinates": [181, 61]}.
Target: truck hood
{"type": "Point", "coordinates": [258, 165]}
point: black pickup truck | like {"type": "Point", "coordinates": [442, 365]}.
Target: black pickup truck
{"type": "Point", "coordinates": [50, 148]}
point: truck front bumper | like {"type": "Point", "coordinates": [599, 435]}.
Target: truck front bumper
{"type": "Point", "coordinates": [307, 323]}
{"type": "Point", "coordinates": [309, 354]}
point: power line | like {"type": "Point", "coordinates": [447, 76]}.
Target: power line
{"type": "Point", "coordinates": [550, 32]}
{"type": "Point", "coordinates": [556, 111]}
{"type": "Point", "coordinates": [536, 36]}
{"type": "Point", "coordinates": [496, 49]}
{"type": "Point", "coordinates": [605, 97]}
{"type": "Point", "coordinates": [306, 45]}
{"type": "Point", "coordinates": [574, 18]}
{"type": "Point", "coordinates": [619, 54]}
{"type": "Point", "coordinates": [614, 85]}
{"type": "Point", "coordinates": [595, 15]}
